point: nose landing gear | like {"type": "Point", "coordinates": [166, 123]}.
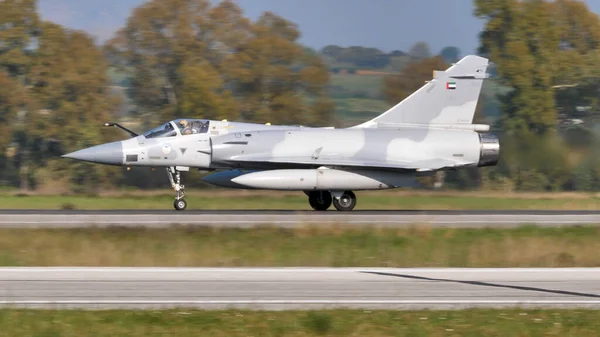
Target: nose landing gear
{"type": "Point", "coordinates": [180, 204]}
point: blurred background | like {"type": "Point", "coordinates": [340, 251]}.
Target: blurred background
{"type": "Point", "coordinates": [67, 66]}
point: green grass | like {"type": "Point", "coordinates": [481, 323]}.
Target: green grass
{"type": "Point", "coordinates": [357, 97]}
{"type": "Point", "coordinates": [364, 85]}
{"type": "Point", "coordinates": [357, 110]}
{"type": "Point", "coordinates": [464, 323]}
{"type": "Point", "coordinates": [325, 246]}
{"type": "Point", "coordinates": [237, 199]}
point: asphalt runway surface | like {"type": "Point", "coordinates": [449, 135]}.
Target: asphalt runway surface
{"type": "Point", "coordinates": [299, 288]}
{"type": "Point", "coordinates": [284, 218]}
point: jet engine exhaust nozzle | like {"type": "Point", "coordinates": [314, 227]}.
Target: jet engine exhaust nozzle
{"type": "Point", "coordinates": [489, 152]}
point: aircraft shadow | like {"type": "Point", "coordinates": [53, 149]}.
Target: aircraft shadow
{"type": "Point", "coordinates": [487, 284]}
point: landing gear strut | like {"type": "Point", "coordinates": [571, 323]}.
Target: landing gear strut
{"type": "Point", "coordinates": [319, 200]}
{"type": "Point", "coordinates": [175, 178]}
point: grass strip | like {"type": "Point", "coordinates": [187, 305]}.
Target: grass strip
{"type": "Point", "coordinates": [326, 246]}
{"type": "Point", "coordinates": [464, 323]}
{"type": "Point", "coordinates": [298, 201]}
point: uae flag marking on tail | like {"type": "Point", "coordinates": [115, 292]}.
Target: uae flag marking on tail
{"type": "Point", "coordinates": [451, 85]}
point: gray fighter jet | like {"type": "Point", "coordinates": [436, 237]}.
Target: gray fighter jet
{"type": "Point", "coordinates": [430, 130]}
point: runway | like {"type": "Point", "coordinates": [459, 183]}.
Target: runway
{"type": "Point", "coordinates": [299, 288]}
{"type": "Point", "coordinates": [253, 218]}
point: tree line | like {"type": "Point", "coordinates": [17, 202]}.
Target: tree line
{"type": "Point", "coordinates": [195, 58]}
{"type": "Point", "coordinates": [548, 53]}
{"type": "Point", "coordinates": [351, 59]}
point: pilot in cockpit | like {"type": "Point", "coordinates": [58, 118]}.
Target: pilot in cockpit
{"type": "Point", "coordinates": [185, 127]}
{"type": "Point", "coordinates": [204, 127]}
{"type": "Point", "coordinates": [196, 126]}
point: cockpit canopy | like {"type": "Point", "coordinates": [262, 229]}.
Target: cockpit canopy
{"type": "Point", "coordinates": [179, 127]}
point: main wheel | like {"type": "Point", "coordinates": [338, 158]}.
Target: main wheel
{"type": "Point", "coordinates": [346, 202]}
{"type": "Point", "coordinates": [180, 204]}
{"type": "Point", "coordinates": [319, 200]}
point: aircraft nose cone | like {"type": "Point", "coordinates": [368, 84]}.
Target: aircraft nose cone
{"type": "Point", "coordinates": [109, 153]}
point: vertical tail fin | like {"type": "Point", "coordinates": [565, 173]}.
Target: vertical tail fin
{"type": "Point", "coordinates": [449, 98]}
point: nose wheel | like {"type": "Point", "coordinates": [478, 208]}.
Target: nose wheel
{"type": "Point", "coordinates": [180, 204]}
{"type": "Point", "coordinates": [175, 178]}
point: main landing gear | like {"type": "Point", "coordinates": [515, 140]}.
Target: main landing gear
{"type": "Point", "coordinates": [321, 200]}
{"type": "Point", "coordinates": [175, 178]}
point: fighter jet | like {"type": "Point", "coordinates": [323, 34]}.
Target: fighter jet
{"type": "Point", "coordinates": [430, 130]}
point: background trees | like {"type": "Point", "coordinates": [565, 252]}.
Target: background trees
{"type": "Point", "coordinates": [54, 97]}
{"type": "Point", "coordinates": [543, 52]}
{"type": "Point", "coordinates": [190, 58]}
